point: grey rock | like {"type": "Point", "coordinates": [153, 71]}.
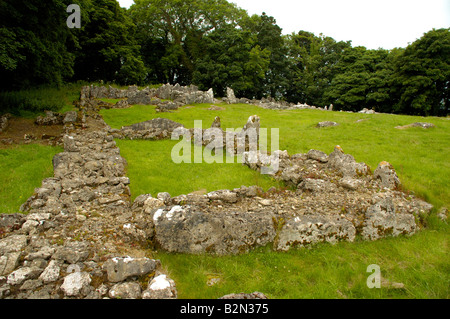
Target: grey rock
{"type": "Point", "coordinates": [72, 252]}
{"type": "Point", "coordinates": [76, 284]}
{"type": "Point", "coordinates": [18, 276]}
{"type": "Point", "coordinates": [13, 243]}
{"type": "Point", "coordinates": [386, 173]}
{"type": "Point", "coordinates": [119, 269]}
{"type": "Point", "coordinates": [122, 104]}
{"type": "Point", "coordinates": [318, 156]}
{"type": "Point", "coordinates": [160, 287]}
{"type": "Point", "coordinates": [158, 123]}
{"type": "Point", "coordinates": [186, 230]}
{"type": "Point", "coordinates": [346, 164]}
{"type": "Point", "coordinates": [226, 196]}
{"type": "Point", "coordinates": [350, 183]}
{"type": "Point", "coordinates": [31, 284]}
{"type": "Point", "coordinates": [317, 185]}
{"type": "Point", "coordinates": [51, 272]}
{"type": "Point", "coordinates": [126, 290]}
{"type": "Point", "coordinates": [44, 253]}
{"type": "Point", "coordinates": [381, 220]}
{"type": "Point", "coordinates": [9, 262]}
{"type": "Point", "coordinates": [70, 117]}
{"type": "Point", "coordinates": [292, 175]}
{"type": "Point", "coordinates": [443, 214]}
{"type": "Point", "coordinates": [231, 98]}
{"type": "Point", "coordinates": [327, 124]}
{"type": "Point", "coordinates": [306, 230]}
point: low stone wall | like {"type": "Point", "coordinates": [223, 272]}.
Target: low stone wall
{"type": "Point", "coordinates": [79, 233]}
{"type": "Point", "coordinates": [335, 199]}
{"type": "Point", "coordinates": [179, 95]}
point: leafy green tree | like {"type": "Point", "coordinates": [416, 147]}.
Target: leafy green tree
{"type": "Point", "coordinates": [361, 80]}
{"type": "Point", "coordinates": [108, 49]}
{"type": "Point", "coordinates": [34, 43]}
{"type": "Point", "coordinates": [422, 75]}
{"type": "Point", "coordinates": [269, 37]}
{"type": "Point", "coordinates": [314, 60]}
{"type": "Point", "coordinates": [180, 25]}
{"type": "Point", "coordinates": [232, 58]}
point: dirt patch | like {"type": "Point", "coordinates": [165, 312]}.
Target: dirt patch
{"type": "Point", "coordinates": [25, 131]}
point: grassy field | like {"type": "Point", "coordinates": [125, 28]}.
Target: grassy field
{"type": "Point", "coordinates": [420, 263]}
{"type": "Point", "coordinates": [22, 169]}
{"type": "Point", "coordinates": [420, 157]}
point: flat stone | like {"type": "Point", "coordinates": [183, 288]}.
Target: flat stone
{"type": "Point", "coordinates": [18, 276]}
{"type": "Point", "coordinates": [126, 290]}
{"type": "Point", "coordinates": [13, 243]}
{"type": "Point", "coordinates": [76, 284]}
{"type": "Point", "coordinates": [119, 268]}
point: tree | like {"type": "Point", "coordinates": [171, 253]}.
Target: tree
{"type": "Point", "coordinates": [422, 75]}
{"type": "Point", "coordinates": [232, 58]}
{"type": "Point", "coordinates": [180, 25]}
{"type": "Point", "coordinates": [269, 37]}
{"type": "Point", "coordinates": [34, 43]}
{"type": "Point", "coordinates": [362, 80]}
{"type": "Point", "coordinates": [108, 49]}
{"type": "Point", "coordinates": [314, 60]}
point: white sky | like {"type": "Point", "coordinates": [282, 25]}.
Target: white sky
{"type": "Point", "coordinates": [372, 23]}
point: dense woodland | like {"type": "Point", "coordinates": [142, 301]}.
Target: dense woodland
{"type": "Point", "coordinates": [213, 43]}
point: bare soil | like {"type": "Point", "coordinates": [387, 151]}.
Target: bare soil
{"type": "Point", "coordinates": [25, 131]}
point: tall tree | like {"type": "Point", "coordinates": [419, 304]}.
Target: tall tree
{"type": "Point", "coordinates": [269, 37]}
{"type": "Point", "coordinates": [108, 48]}
{"type": "Point", "coordinates": [180, 25]}
{"type": "Point", "coordinates": [34, 43]}
{"type": "Point", "coordinates": [314, 60]}
{"type": "Point", "coordinates": [232, 58]}
{"type": "Point", "coordinates": [422, 75]}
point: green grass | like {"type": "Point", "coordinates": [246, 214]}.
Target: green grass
{"type": "Point", "coordinates": [419, 156]}
{"type": "Point", "coordinates": [22, 169]}
{"type": "Point", "coordinates": [151, 172]}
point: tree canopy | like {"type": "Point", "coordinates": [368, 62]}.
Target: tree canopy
{"type": "Point", "coordinates": [215, 44]}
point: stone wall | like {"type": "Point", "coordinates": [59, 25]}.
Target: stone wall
{"type": "Point", "coordinates": [179, 95]}
{"type": "Point", "coordinates": [80, 238]}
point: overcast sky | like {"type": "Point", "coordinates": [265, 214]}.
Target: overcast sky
{"type": "Point", "coordinates": [372, 23]}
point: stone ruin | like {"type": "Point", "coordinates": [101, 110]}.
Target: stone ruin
{"type": "Point", "coordinates": [178, 96]}
{"type": "Point", "coordinates": [83, 237]}
{"type": "Point", "coordinates": [271, 103]}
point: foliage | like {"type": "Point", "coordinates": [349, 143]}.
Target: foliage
{"type": "Point", "coordinates": [108, 49]}
{"type": "Point", "coordinates": [215, 44]}
{"type": "Point", "coordinates": [422, 75]}
{"type": "Point", "coordinates": [179, 26]}
{"type": "Point", "coordinates": [32, 102]}
{"type": "Point", "coordinates": [34, 43]}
